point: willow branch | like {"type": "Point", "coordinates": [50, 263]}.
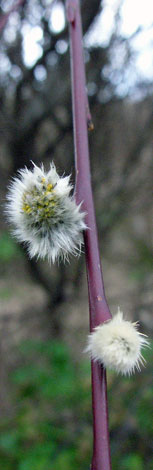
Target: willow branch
{"type": "Point", "coordinates": [99, 311]}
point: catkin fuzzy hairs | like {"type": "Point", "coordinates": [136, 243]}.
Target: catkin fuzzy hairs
{"type": "Point", "coordinates": [117, 344]}
{"type": "Point", "coordinates": [44, 214]}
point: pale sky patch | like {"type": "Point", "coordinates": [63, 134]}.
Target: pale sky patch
{"type": "Point", "coordinates": [136, 13]}
{"type": "Point", "coordinates": [57, 18]}
{"type": "Point", "coordinates": [32, 50]}
{"type": "Point", "coordinates": [133, 14]}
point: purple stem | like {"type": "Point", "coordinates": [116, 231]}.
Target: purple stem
{"type": "Point", "coordinates": [4, 18]}
{"type": "Point", "coordinates": [99, 310]}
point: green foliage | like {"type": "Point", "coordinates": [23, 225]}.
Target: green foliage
{"type": "Point", "coordinates": [50, 392]}
{"type": "Point", "coordinates": [52, 423]}
{"type": "Point", "coordinates": [5, 293]}
{"type": "Point", "coordinates": [132, 461]}
{"type": "Point", "coordinates": [130, 419]}
{"type": "Point", "coordinates": [143, 261]}
{"type": "Point", "coordinates": [8, 248]}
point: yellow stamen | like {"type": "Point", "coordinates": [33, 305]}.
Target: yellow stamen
{"type": "Point", "coordinates": [49, 187]}
{"type": "Point", "coordinates": [26, 208]}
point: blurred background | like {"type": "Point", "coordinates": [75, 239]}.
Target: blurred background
{"type": "Point", "coordinates": [45, 404]}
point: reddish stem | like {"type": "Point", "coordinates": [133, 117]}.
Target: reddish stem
{"type": "Point", "coordinates": [4, 18]}
{"type": "Point", "coordinates": [99, 310]}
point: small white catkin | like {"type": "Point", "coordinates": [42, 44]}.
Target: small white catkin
{"type": "Point", "coordinates": [117, 344]}
{"type": "Point", "coordinates": [44, 214]}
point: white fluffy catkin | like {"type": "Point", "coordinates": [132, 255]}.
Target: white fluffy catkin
{"type": "Point", "coordinates": [117, 344]}
{"type": "Point", "coordinates": [44, 215]}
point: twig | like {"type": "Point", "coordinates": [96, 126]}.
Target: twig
{"type": "Point", "coordinates": [99, 311]}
